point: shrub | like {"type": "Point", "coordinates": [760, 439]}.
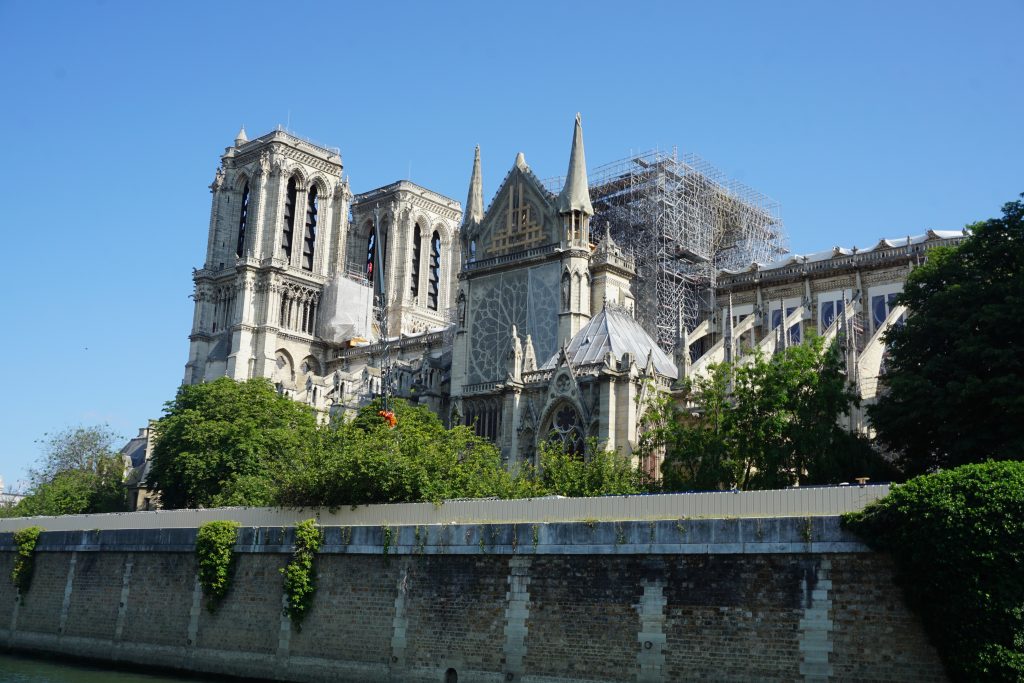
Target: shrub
{"type": "Point", "coordinates": [215, 551]}
{"type": "Point", "coordinates": [957, 538]}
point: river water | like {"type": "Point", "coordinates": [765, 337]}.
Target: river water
{"type": "Point", "coordinates": [25, 670]}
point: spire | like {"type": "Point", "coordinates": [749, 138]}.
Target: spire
{"type": "Point", "coordinates": [241, 138]}
{"type": "Point", "coordinates": [475, 200]}
{"type": "Point", "coordinates": [575, 195]}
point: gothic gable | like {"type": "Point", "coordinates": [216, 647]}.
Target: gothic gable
{"type": "Point", "coordinates": [522, 216]}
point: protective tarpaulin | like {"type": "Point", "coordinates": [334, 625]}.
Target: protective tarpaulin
{"type": "Point", "coordinates": [346, 310]}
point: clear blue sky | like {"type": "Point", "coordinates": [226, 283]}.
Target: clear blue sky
{"type": "Point", "coordinates": [864, 120]}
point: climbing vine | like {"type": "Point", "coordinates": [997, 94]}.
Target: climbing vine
{"type": "Point", "coordinates": [299, 577]}
{"type": "Point", "coordinates": [215, 552]}
{"type": "Point", "coordinates": [24, 561]}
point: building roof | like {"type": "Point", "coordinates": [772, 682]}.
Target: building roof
{"type": "Point", "coordinates": [615, 331]}
{"type": "Point", "coordinates": [799, 259]}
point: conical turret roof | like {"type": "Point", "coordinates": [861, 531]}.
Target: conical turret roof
{"type": "Point", "coordinates": [475, 201]}
{"type": "Point", "coordinates": [241, 137]}
{"type": "Point", "coordinates": [575, 195]}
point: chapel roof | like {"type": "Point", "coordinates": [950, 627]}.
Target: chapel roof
{"type": "Point", "coordinates": [615, 331]}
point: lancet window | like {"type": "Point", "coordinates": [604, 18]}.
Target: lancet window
{"type": "Point", "coordinates": [435, 270]}
{"type": "Point", "coordinates": [289, 219]}
{"type": "Point", "coordinates": [484, 417]}
{"type": "Point", "coordinates": [309, 239]}
{"type": "Point", "coordinates": [414, 270]}
{"type": "Point", "coordinates": [299, 309]}
{"type": "Point", "coordinates": [242, 221]}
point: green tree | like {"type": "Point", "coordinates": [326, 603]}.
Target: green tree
{"type": "Point", "coordinates": [765, 423]}
{"type": "Point", "coordinates": [227, 443]}
{"type": "Point", "coordinates": [601, 473]}
{"type": "Point", "coordinates": [954, 377]}
{"type": "Point", "coordinates": [364, 460]}
{"type": "Point", "coordinates": [79, 472]}
{"type": "Point", "coordinates": [955, 537]}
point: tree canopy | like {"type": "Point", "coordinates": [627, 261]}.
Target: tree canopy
{"type": "Point", "coordinates": [240, 443]}
{"type": "Point", "coordinates": [955, 537]}
{"type": "Point", "coordinates": [954, 377]}
{"type": "Point", "coordinates": [767, 423]}
{"type": "Point", "coordinates": [79, 472]}
{"type": "Point", "coordinates": [366, 460]}
{"type": "Point", "coordinates": [221, 443]}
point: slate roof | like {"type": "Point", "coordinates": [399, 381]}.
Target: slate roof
{"type": "Point", "coordinates": [614, 330]}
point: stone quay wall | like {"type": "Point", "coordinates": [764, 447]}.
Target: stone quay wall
{"type": "Point", "coordinates": [781, 599]}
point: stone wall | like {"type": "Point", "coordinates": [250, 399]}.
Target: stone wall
{"type": "Point", "coordinates": [756, 599]}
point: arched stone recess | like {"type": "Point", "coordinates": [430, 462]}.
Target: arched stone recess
{"type": "Point", "coordinates": [310, 366]}
{"type": "Point", "coordinates": [301, 181]}
{"type": "Point", "coordinates": [564, 422]}
{"type": "Point", "coordinates": [283, 375]}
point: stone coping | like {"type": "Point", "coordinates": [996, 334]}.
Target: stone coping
{"type": "Point", "coordinates": [664, 537]}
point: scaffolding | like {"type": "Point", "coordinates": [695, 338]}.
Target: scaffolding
{"type": "Point", "coordinates": [682, 221]}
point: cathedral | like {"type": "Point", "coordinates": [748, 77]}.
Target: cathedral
{"type": "Point", "coordinates": [549, 313]}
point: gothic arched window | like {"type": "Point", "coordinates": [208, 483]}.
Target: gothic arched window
{"type": "Point", "coordinates": [309, 239]}
{"type": "Point", "coordinates": [435, 270]}
{"type": "Point", "coordinates": [289, 219]}
{"type": "Point", "coordinates": [567, 430]}
{"type": "Point", "coordinates": [242, 220]}
{"type": "Point", "coordinates": [415, 270]}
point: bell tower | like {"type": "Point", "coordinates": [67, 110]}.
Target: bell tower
{"type": "Point", "coordinates": [277, 224]}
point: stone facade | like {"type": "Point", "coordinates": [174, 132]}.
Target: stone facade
{"type": "Point", "coordinates": [730, 600]}
{"type": "Point", "coordinates": [485, 314]}
{"type": "Point", "coordinates": [844, 293]}
{"type": "Point", "coordinates": [514, 318]}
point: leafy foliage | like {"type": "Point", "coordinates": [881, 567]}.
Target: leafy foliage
{"type": "Point", "coordinates": [955, 369]}
{"type": "Point", "coordinates": [603, 473]}
{"type": "Point", "coordinates": [215, 552]}
{"type": "Point", "coordinates": [223, 442]}
{"type": "Point", "coordinates": [365, 460]}
{"type": "Point", "coordinates": [24, 562]}
{"type": "Point", "coordinates": [769, 423]}
{"type": "Point", "coordinates": [299, 577]}
{"type": "Point", "coordinates": [80, 473]}
{"type": "Point", "coordinates": [956, 537]}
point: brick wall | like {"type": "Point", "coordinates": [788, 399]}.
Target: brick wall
{"type": "Point", "coordinates": [772, 599]}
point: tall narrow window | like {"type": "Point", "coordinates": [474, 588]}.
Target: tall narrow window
{"type": "Point", "coordinates": [289, 221]}
{"type": "Point", "coordinates": [309, 241]}
{"type": "Point", "coordinates": [435, 270]}
{"type": "Point", "coordinates": [242, 220]}
{"type": "Point", "coordinates": [415, 270]}
{"type": "Point", "coordinates": [371, 259]}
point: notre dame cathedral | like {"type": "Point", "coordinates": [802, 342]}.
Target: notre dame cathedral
{"type": "Point", "coordinates": [552, 313]}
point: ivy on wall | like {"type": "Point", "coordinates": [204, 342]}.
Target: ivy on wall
{"type": "Point", "coordinates": [299, 576]}
{"type": "Point", "coordinates": [215, 551]}
{"type": "Point", "coordinates": [24, 561]}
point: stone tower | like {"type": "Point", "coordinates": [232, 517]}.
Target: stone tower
{"type": "Point", "coordinates": [277, 227]}
{"type": "Point", "coordinates": [575, 211]}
